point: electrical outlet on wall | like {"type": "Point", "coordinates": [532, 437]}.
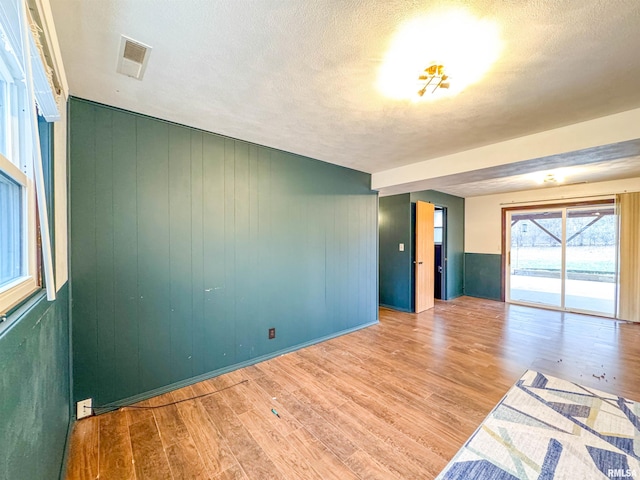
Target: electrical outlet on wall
{"type": "Point", "coordinates": [84, 408]}
{"type": "Point", "coordinates": [272, 333]}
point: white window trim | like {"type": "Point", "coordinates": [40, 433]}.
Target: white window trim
{"type": "Point", "coordinates": [9, 168]}
{"type": "Point", "coordinates": [22, 287]}
{"type": "Point", "coordinates": [26, 78]}
{"type": "Point", "coordinates": [35, 156]}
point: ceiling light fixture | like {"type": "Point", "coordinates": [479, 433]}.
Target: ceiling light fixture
{"type": "Point", "coordinates": [553, 177]}
{"type": "Point", "coordinates": [433, 78]}
{"type": "Point", "coordinates": [452, 40]}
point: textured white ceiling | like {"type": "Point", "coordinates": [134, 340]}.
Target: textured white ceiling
{"type": "Point", "coordinates": [301, 76]}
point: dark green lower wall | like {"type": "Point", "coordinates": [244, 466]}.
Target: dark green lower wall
{"type": "Point", "coordinates": [186, 247]}
{"type": "Point", "coordinates": [482, 275]}
{"type": "Point", "coordinates": [34, 391]}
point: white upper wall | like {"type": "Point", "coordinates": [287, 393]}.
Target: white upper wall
{"type": "Point", "coordinates": [483, 215]}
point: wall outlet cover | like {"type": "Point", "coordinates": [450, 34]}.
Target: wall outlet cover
{"type": "Point", "coordinates": [272, 333]}
{"type": "Point", "coordinates": [84, 408]}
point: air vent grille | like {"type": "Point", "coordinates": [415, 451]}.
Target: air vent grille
{"type": "Point", "coordinates": [133, 57]}
{"type": "Point", "coordinates": [134, 51]}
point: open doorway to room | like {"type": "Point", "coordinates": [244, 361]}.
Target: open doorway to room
{"type": "Point", "coordinates": [440, 242]}
{"type": "Point", "coordinates": [563, 257]}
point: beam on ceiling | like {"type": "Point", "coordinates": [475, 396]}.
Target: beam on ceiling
{"type": "Point", "coordinates": [604, 138]}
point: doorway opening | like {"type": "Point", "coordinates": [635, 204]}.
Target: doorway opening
{"type": "Point", "coordinates": [429, 255]}
{"type": "Point", "coordinates": [439, 244]}
{"type": "Point", "coordinates": [563, 257]}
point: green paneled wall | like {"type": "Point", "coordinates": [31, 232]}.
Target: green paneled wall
{"type": "Point", "coordinates": [395, 266]}
{"type": "Point", "coordinates": [187, 246]}
{"type": "Point", "coordinates": [455, 236]}
{"type": "Point", "coordinates": [34, 391]}
{"type": "Point", "coordinates": [483, 275]}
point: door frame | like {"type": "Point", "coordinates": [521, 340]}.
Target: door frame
{"type": "Point", "coordinates": [506, 244]}
{"type": "Point", "coordinates": [443, 253]}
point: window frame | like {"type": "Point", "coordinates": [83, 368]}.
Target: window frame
{"type": "Point", "coordinates": [16, 164]}
{"type": "Point", "coordinates": [22, 287]}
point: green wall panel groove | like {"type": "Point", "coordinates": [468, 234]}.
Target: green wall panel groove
{"type": "Point", "coordinates": [187, 246]}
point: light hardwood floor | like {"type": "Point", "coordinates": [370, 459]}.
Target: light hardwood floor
{"type": "Point", "coordinates": [395, 400]}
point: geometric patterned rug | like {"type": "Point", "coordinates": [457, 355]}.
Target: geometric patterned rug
{"type": "Point", "coordinates": [547, 428]}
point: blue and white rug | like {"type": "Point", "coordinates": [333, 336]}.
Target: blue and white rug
{"type": "Point", "coordinates": [547, 428]}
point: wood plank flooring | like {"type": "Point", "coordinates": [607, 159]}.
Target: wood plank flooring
{"type": "Point", "coordinates": [393, 401]}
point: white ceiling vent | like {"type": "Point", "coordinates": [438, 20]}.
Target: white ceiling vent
{"type": "Point", "coordinates": [133, 57]}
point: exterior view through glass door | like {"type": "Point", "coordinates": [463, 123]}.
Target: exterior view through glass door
{"type": "Point", "coordinates": [564, 258]}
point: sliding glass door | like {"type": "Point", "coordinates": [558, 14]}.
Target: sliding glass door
{"type": "Point", "coordinates": [536, 257]}
{"type": "Point", "coordinates": [591, 259]}
{"type": "Point", "coordinates": [563, 258]}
